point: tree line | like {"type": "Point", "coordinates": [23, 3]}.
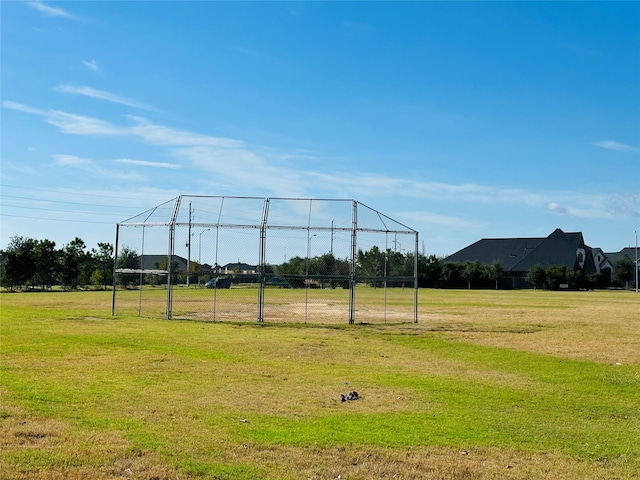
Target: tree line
{"type": "Point", "coordinates": [27, 262]}
{"type": "Point", "coordinates": [473, 274]}
{"type": "Point", "coordinates": [31, 263]}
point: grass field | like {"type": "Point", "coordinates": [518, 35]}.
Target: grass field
{"type": "Point", "coordinates": [488, 384]}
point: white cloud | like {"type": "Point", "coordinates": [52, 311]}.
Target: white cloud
{"type": "Point", "coordinates": [50, 11]}
{"type": "Point", "coordinates": [91, 65]}
{"type": "Point", "coordinates": [617, 146]}
{"type": "Point", "coordinates": [81, 124]}
{"type": "Point", "coordinates": [70, 160]}
{"type": "Point", "coordinates": [592, 206]}
{"type": "Point", "coordinates": [101, 95]}
{"type": "Point", "coordinates": [69, 122]}
{"type": "Point", "coordinates": [161, 135]}
{"type": "Point", "coordinates": [557, 208]}
{"type": "Point", "coordinates": [22, 108]}
{"type": "Point", "coordinates": [146, 163]}
{"type": "Point", "coordinates": [624, 204]}
{"type": "Point", "coordinates": [230, 162]}
{"type": "Point", "coordinates": [431, 218]}
{"type": "Point", "coordinates": [91, 167]}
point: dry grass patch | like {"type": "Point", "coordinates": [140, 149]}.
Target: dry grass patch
{"type": "Point", "coordinates": [565, 324]}
{"type": "Point", "coordinates": [45, 449]}
{"type": "Point", "coordinates": [520, 385]}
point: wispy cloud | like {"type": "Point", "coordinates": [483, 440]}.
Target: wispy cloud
{"type": "Point", "coordinates": [624, 204]}
{"type": "Point", "coordinates": [234, 162]}
{"type": "Point", "coordinates": [431, 218]}
{"type": "Point", "coordinates": [91, 167]}
{"type": "Point", "coordinates": [555, 207]}
{"type": "Point", "coordinates": [69, 122]}
{"type": "Point", "coordinates": [91, 65]}
{"type": "Point", "coordinates": [50, 11]}
{"type": "Point", "coordinates": [146, 163]}
{"type": "Point", "coordinates": [101, 95]}
{"type": "Point", "coordinates": [161, 135]}
{"type": "Point", "coordinates": [614, 145]}
{"type": "Point", "coordinates": [589, 206]}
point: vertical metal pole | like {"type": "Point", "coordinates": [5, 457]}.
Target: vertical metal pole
{"type": "Point", "coordinates": [386, 247]}
{"type": "Point", "coordinates": [172, 239]}
{"type": "Point", "coordinates": [352, 273]}
{"type": "Point", "coordinates": [306, 276]}
{"type": "Point", "coordinates": [216, 266]}
{"type": "Point", "coordinates": [172, 234]}
{"type": "Point", "coordinates": [141, 275]}
{"type": "Point", "coordinates": [415, 282]}
{"type": "Point", "coordinates": [115, 265]}
{"type": "Point", "coordinates": [261, 260]}
{"type": "Point", "coordinates": [332, 238]}
{"type": "Point", "coordinates": [189, 247]}
{"type": "Point", "coordinates": [636, 232]}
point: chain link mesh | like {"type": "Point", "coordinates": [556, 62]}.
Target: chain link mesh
{"type": "Point", "coordinates": [216, 258]}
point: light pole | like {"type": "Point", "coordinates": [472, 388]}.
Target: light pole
{"type": "Point", "coordinates": [200, 245]}
{"type": "Point", "coordinates": [309, 251]}
{"type": "Point", "coordinates": [200, 252]}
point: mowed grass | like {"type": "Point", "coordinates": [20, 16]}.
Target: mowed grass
{"type": "Point", "coordinates": [516, 385]}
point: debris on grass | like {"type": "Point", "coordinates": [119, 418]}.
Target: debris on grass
{"type": "Point", "coordinates": [353, 395]}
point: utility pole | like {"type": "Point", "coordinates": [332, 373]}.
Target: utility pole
{"type": "Point", "coordinates": [332, 238]}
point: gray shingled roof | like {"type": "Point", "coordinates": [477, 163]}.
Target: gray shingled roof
{"type": "Point", "coordinates": [520, 254]}
{"type": "Point", "coordinates": [150, 261]}
{"type": "Point", "coordinates": [629, 252]}
{"type": "Point", "coordinates": [559, 248]}
{"type": "Point", "coordinates": [508, 251]}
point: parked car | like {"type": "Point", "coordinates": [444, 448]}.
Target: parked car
{"type": "Point", "coordinates": [218, 282]}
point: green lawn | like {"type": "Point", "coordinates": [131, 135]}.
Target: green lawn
{"type": "Point", "coordinates": [522, 384]}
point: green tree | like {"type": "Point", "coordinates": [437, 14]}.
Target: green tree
{"type": "Point", "coordinates": [154, 279]}
{"type": "Point", "coordinates": [471, 271]}
{"type": "Point", "coordinates": [536, 276]}
{"type": "Point", "coordinates": [329, 266]}
{"type": "Point", "coordinates": [19, 262]}
{"type": "Point", "coordinates": [429, 271]}
{"type": "Point", "coordinates": [496, 272]}
{"type": "Point", "coordinates": [293, 271]}
{"type": "Point", "coordinates": [127, 258]}
{"type": "Point", "coordinates": [48, 263]}
{"type": "Point", "coordinates": [374, 264]}
{"type": "Point", "coordinates": [623, 272]}
{"type": "Point", "coordinates": [194, 272]}
{"type": "Point", "coordinates": [76, 264]}
{"type": "Point", "coordinates": [451, 274]}
{"type": "Point", "coordinates": [103, 262]}
{"type": "Point", "coordinates": [556, 275]}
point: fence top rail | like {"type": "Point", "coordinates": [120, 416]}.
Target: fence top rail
{"type": "Point", "coordinates": [145, 219]}
{"type": "Point", "coordinates": [142, 270]}
{"type": "Point", "coordinates": [267, 226]}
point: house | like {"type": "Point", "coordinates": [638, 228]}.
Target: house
{"type": "Point", "coordinates": [518, 255]}
{"type": "Point", "coordinates": [153, 262]}
{"type": "Point", "coordinates": [627, 253]}
{"type": "Point", "coordinates": [239, 268]}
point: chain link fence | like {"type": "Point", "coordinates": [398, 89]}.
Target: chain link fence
{"type": "Point", "coordinates": [215, 258]}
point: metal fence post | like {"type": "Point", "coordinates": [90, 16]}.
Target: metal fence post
{"type": "Point", "coordinates": [352, 273]}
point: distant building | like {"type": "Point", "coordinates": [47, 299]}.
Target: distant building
{"type": "Point", "coordinates": [238, 268]}
{"type": "Point", "coordinates": [154, 262]}
{"type": "Point", "coordinates": [151, 262]}
{"type": "Point", "coordinates": [518, 255]}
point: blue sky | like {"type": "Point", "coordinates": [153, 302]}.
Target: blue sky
{"type": "Point", "coordinates": [461, 120]}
